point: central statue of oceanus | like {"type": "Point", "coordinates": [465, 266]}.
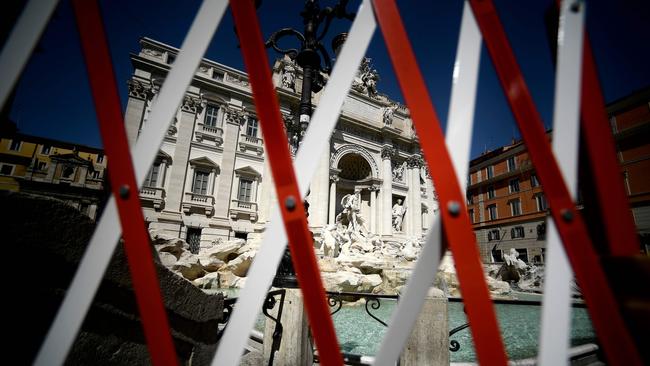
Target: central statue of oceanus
{"type": "Point", "coordinates": [350, 216]}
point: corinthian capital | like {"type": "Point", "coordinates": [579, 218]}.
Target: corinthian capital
{"type": "Point", "coordinates": [415, 161]}
{"type": "Point", "coordinates": [387, 152]}
{"type": "Point", "coordinates": [138, 89]}
{"type": "Point", "coordinates": [191, 104]}
{"type": "Point", "coordinates": [235, 116]}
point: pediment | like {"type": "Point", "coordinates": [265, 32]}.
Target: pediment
{"type": "Point", "coordinates": [248, 170]}
{"type": "Point", "coordinates": [204, 161]}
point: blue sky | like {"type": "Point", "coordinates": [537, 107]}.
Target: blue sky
{"type": "Point", "coordinates": [53, 96]}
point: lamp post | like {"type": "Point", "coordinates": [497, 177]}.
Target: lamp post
{"type": "Point", "coordinates": [316, 22]}
{"type": "Point", "coordinates": [314, 59]}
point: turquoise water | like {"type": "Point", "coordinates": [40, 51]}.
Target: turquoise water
{"type": "Point", "coordinates": [360, 334]}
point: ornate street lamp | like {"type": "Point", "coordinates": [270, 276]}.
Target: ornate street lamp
{"type": "Point", "coordinates": [308, 56]}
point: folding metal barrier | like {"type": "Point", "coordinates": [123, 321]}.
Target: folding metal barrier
{"type": "Point", "coordinates": [479, 19]}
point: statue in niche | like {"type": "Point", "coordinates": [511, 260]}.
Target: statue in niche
{"type": "Point", "coordinates": [350, 216]}
{"type": "Point", "coordinates": [398, 215]}
{"type": "Point", "coordinates": [289, 75]}
{"type": "Point", "coordinates": [388, 113]}
{"type": "Point", "coordinates": [398, 173]}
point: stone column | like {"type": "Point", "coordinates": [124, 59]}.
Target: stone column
{"type": "Point", "coordinates": [319, 190]}
{"type": "Point", "coordinates": [189, 109]}
{"type": "Point", "coordinates": [373, 208]}
{"type": "Point", "coordinates": [295, 348]}
{"type": "Point", "coordinates": [415, 196]}
{"type": "Point", "coordinates": [332, 198]}
{"type": "Point", "coordinates": [429, 340]}
{"type": "Point", "coordinates": [387, 153]}
{"type": "Point", "coordinates": [162, 172]}
{"type": "Point", "coordinates": [139, 93]}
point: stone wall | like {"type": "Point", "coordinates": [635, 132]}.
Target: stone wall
{"type": "Point", "coordinates": [51, 238]}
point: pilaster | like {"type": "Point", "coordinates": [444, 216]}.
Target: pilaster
{"type": "Point", "coordinates": [414, 164]}
{"type": "Point", "coordinates": [139, 93]}
{"type": "Point", "coordinates": [234, 120]}
{"type": "Point", "coordinates": [334, 178]}
{"type": "Point", "coordinates": [189, 109]}
{"type": "Point", "coordinates": [319, 192]}
{"type": "Point", "coordinates": [387, 153]}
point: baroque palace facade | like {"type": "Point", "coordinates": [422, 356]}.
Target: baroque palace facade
{"type": "Point", "coordinates": [211, 179]}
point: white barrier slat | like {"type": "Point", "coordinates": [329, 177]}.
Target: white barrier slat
{"type": "Point", "coordinates": [262, 270]}
{"type": "Point", "coordinates": [72, 312]}
{"type": "Point", "coordinates": [556, 309]}
{"type": "Point", "coordinates": [458, 141]}
{"type": "Point", "coordinates": [22, 40]}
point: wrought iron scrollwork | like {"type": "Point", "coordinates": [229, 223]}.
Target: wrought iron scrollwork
{"type": "Point", "coordinates": [334, 301]}
{"type": "Point", "coordinates": [454, 345]}
{"type": "Point", "coordinates": [269, 304]}
{"type": "Point", "coordinates": [373, 301]}
{"type": "Point", "coordinates": [375, 304]}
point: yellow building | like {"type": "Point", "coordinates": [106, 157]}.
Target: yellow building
{"type": "Point", "coordinates": [70, 172]}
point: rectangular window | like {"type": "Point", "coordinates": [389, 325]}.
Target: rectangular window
{"type": "Point", "coordinates": [45, 149]}
{"type": "Point", "coordinates": [492, 212]}
{"type": "Point", "coordinates": [15, 145]}
{"type": "Point", "coordinates": [490, 171]}
{"type": "Point", "coordinates": [83, 207]}
{"type": "Point", "coordinates": [6, 169]}
{"type": "Point", "coordinates": [517, 232]}
{"type": "Point", "coordinates": [494, 235]}
{"type": "Point", "coordinates": [193, 238]}
{"type": "Point", "coordinates": [515, 207]}
{"type": "Point", "coordinates": [211, 115]}
{"type": "Point", "coordinates": [514, 185]}
{"type": "Point", "coordinates": [512, 164]}
{"type": "Point", "coordinates": [251, 127]}
{"type": "Point", "coordinates": [100, 158]}
{"type": "Point", "coordinates": [42, 165]}
{"type": "Point", "coordinates": [533, 181]}
{"type": "Point", "coordinates": [490, 192]}
{"type": "Point", "coordinates": [470, 198]}
{"type": "Point", "coordinates": [541, 231]}
{"type": "Point", "coordinates": [152, 176]}
{"type": "Point", "coordinates": [470, 212]}
{"type": "Point", "coordinates": [245, 187]}
{"type": "Point", "coordinates": [541, 202]}
{"type": "Point", "coordinates": [200, 185]}
{"type": "Point", "coordinates": [497, 255]}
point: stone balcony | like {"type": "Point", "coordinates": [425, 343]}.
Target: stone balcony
{"type": "Point", "coordinates": [253, 143]}
{"type": "Point", "coordinates": [153, 195]}
{"type": "Point", "coordinates": [194, 202]}
{"type": "Point", "coordinates": [209, 133]}
{"type": "Point", "coordinates": [243, 209]}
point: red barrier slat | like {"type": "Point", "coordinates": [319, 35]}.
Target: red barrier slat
{"type": "Point", "coordinates": [277, 150]}
{"type": "Point", "coordinates": [134, 232]}
{"type": "Point", "coordinates": [458, 230]}
{"type": "Point", "coordinates": [614, 206]}
{"type": "Point", "coordinates": [604, 310]}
